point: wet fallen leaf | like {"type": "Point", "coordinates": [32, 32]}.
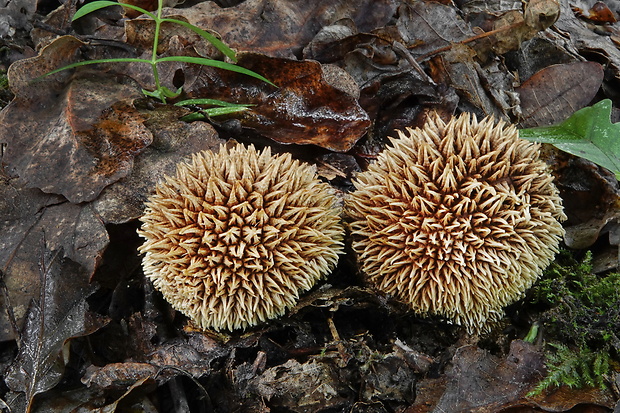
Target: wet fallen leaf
{"type": "Point", "coordinates": [590, 196]}
{"type": "Point", "coordinates": [304, 108]}
{"type": "Point", "coordinates": [459, 68]}
{"type": "Point", "coordinates": [111, 408]}
{"type": "Point", "coordinates": [26, 217]}
{"type": "Point", "coordinates": [282, 28]}
{"type": "Point", "coordinates": [80, 400]}
{"type": "Point", "coordinates": [173, 141]}
{"type": "Point", "coordinates": [119, 375]}
{"type": "Point", "coordinates": [69, 135]}
{"type": "Point", "coordinates": [429, 27]}
{"type": "Point", "coordinates": [598, 13]}
{"type": "Point", "coordinates": [191, 356]}
{"type": "Point", "coordinates": [61, 313]}
{"type": "Point", "coordinates": [565, 399]}
{"type": "Point", "coordinates": [556, 92]}
{"type": "Point", "coordinates": [426, 26]}
{"type": "Point", "coordinates": [479, 382]}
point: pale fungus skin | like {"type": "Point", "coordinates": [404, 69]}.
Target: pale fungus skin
{"type": "Point", "coordinates": [235, 237]}
{"type": "Point", "coordinates": [456, 219]}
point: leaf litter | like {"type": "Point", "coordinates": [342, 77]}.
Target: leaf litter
{"type": "Point", "coordinates": [81, 151]}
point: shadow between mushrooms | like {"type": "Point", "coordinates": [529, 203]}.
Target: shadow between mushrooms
{"type": "Point", "coordinates": [236, 236]}
{"type": "Point", "coordinates": [456, 219]}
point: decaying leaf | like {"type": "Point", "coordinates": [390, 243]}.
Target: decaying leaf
{"type": "Point", "coordinates": [482, 383]}
{"type": "Point", "coordinates": [69, 135]}
{"type": "Point", "coordinates": [513, 28]}
{"type": "Point", "coordinates": [61, 313]}
{"type": "Point", "coordinates": [554, 93]}
{"type": "Point", "coordinates": [591, 198]}
{"type": "Point", "coordinates": [282, 28]}
{"type": "Point", "coordinates": [459, 68]}
{"type": "Point", "coordinates": [191, 356]}
{"type": "Point", "coordinates": [427, 26]}
{"type": "Point", "coordinates": [26, 217]}
{"type": "Point", "coordinates": [302, 387]}
{"type": "Point", "coordinates": [303, 109]}
{"type": "Point", "coordinates": [584, 39]}
{"type": "Point", "coordinates": [173, 140]}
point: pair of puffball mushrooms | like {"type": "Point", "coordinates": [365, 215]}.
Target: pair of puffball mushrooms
{"type": "Point", "coordinates": [456, 219]}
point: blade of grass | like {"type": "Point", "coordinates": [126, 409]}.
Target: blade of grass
{"type": "Point", "coordinates": [207, 36]}
{"type": "Point", "coordinates": [210, 113]}
{"type": "Point", "coordinates": [96, 5]}
{"type": "Point", "coordinates": [214, 63]}
{"type": "Point", "coordinates": [224, 111]}
{"type": "Point", "coordinates": [92, 62]}
{"type": "Point", "coordinates": [213, 102]}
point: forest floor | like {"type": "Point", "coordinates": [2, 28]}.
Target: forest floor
{"type": "Point", "coordinates": [83, 330]}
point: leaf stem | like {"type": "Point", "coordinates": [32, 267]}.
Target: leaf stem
{"type": "Point", "coordinates": [158, 21]}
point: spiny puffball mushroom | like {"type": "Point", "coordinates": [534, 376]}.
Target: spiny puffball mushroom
{"type": "Point", "coordinates": [456, 219]}
{"type": "Point", "coordinates": [236, 236]}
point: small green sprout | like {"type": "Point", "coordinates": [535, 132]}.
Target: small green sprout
{"type": "Point", "coordinates": [161, 92]}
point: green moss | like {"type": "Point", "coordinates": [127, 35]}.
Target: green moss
{"type": "Point", "coordinates": [581, 310]}
{"type": "Point", "coordinates": [574, 368]}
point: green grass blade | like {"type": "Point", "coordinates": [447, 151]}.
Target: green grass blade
{"type": "Point", "coordinates": [214, 63]}
{"type": "Point", "coordinates": [96, 5]}
{"type": "Point", "coordinates": [92, 62]}
{"type": "Point", "coordinates": [212, 102]}
{"type": "Point", "coordinates": [224, 111]}
{"type": "Point", "coordinates": [211, 112]}
{"type": "Point", "coordinates": [221, 46]}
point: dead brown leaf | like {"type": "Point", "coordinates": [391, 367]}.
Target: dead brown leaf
{"type": "Point", "coordinates": [564, 399]}
{"type": "Point", "coordinates": [459, 68]}
{"type": "Point", "coordinates": [426, 26]}
{"type": "Point", "coordinates": [283, 28]}
{"type": "Point", "coordinates": [69, 135]}
{"type": "Point", "coordinates": [302, 387]}
{"type": "Point", "coordinates": [583, 38]}
{"type": "Point", "coordinates": [303, 109]}
{"type": "Point", "coordinates": [59, 315]}
{"type": "Point", "coordinates": [173, 140]}
{"type": "Point", "coordinates": [479, 382]}
{"type": "Point", "coordinates": [556, 92]}
{"type": "Point", "coordinates": [26, 218]}
{"type": "Point", "coordinates": [515, 27]}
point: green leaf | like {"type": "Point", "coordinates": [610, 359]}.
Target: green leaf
{"type": "Point", "coordinates": [92, 62]}
{"type": "Point", "coordinates": [96, 5]}
{"type": "Point", "coordinates": [212, 102]}
{"type": "Point", "coordinates": [162, 93]}
{"type": "Point", "coordinates": [588, 133]}
{"type": "Point", "coordinates": [212, 112]}
{"type": "Point", "coordinates": [208, 36]}
{"type": "Point", "coordinates": [214, 63]}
